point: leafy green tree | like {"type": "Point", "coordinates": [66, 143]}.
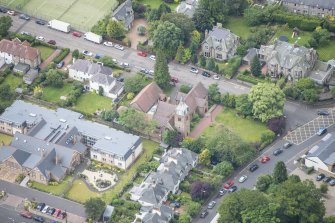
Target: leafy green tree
{"type": "Point", "coordinates": [243, 105]}
{"type": "Point", "coordinates": [224, 168]}
{"type": "Point", "coordinates": [261, 214]}
{"type": "Point", "coordinates": [94, 207]}
{"type": "Point", "coordinates": [320, 37]}
{"type": "Point", "coordinates": [211, 64]}
{"type": "Point", "coordinates": [305, 83]}
{"type": "Point", "coordinates": [101, 91]}
{"type": "Point", "coordinates": [75, 54]}
{"type": "Point", "coordinates": [185, 88]}
{"type": "Point", "coordinates": [100, 27]}
{"type": "Point", "coordinates": [256, 68]}
{"type": "Point", "coordinates": [135, 84]}
{"type": "Point", "coordinates": [135, 120]}
{"type": "Point", "coordinates": [330, 219]}
{"type": "Point", "coordinates": [164, 9]}
{"type": "Point", "coordinates": [310, 95]}
{"type": "Point", "coordinates": [153, 15]}
{"type": "Point", "coordinates": [203, 61]}
{"type": "Point", "coordinates": [214, 95]}
{"type": "Point", "coordinates": [279, 173]}
{"type": "Point", "coordinates": [324, 188]}
{"type": "Point", "coordinates": [202, 19]}
{"type": "Point", "coordinates": [192, 208]}
{"type": "Point", "coordinates": [195, 41]}
{"type": "Point", "coordinates": [5, 24]}
{"type": "Point", "coordinates": [162, 76]}
{"type": "Point", "coordinates": [54, 79]}
{"type": "Point", "coordinates": [109, 115]}
{"type": "Point", "coordinates": [187, 56]}
{"type": "Point", "coordinates": [184, 218]}
{"type": "Point", "coordinates": [195, 145]}
{"type": "Point", "coordinates": [205, 157]}
{"type": "Point", "coordinates": [268, 101]}
{"type": "Point", "coordinates": [115, 29]}
{"type": "Point", "coordinates": [183, 22]}
{"type": "Point", "coordinates": [180, 53]}
{"type": "Point", "coordinates": [171, 137]}
{"type": "Point", "coordinates": [5, 92]}
{"type": "Point", "coordinates": [141, 30]}
{"type": "Point", "coordinates": [264, 182]}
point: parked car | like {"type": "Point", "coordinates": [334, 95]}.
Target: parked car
{"type": "Point", "coordinates": [194, 70]}
{"type": "Point", "coordinates": [142, 54]}
{"type": "Point", "coordinates": [11, 12]}
{"type": "Point", "coordinates": [206, 74]}
{"type": "Point", "coordinates": [40, 38]}
{"type": "Point", "coordinates": [204, 214]}
{"type": "Point", "coordinates": [327, 179]}
{"type": "Point", "coordinates": [38, 218]}
{"type": "Point", "coordinates": [323, 113]}
{"type": "Point", "coordinates": [222, 192]}
{"type": "Point", "coordinates": [24, 16]}
{"type": "Point", "coordinates": [216, 77]}
{"type": "Point", "coordinates": [144, 70]}
{"type": "Point", "coordinates": [332, 182]}
{"type": "Point", "coordinates": [62, 215]}
{"type": "Point", "coordinates": [277, 152]}
{"type": "Point", "coordinates": [320, 177]}
{"type": "Point", "coordinates": [174, 79]}
{"type": "Point", "coordinates": [57, 212]}
{"type": "Point", "coordinates": [124, 64]}
{"type": "Point", "coordinates": [151, 72]}
{"type": "Point", "coordinates": [253, 167]}
{"type": "Point", "coordinates": [40, 22]}
{"type": "Point", "coordinates": [211, 204]}
{"type": "Point", "coordinates": [52, 42]}
{"type": "Point", "coordinates": [87, 53]}
{"type": "Point", "coordinates": [152, 57]}
{"type": "Point", "coordinates": [321, 131]}
{"type": "Point", "coordinates": [40, 206]}
{"type": "Point", "coordinates": [26, 214]}
{"type": "Point", "coordinates": [45, 209]}
{"type": "Point", "coordinates": [51, 211]}
{"type": "Point", "coordinates": [26, 33]}
{"type": "Point", "coordinates": [98, 56]}
{"type": "Point", "coordinates": [60, 65]}
{"type": "Point", "coordinates": [228, 184]}
{"type": "Point", "coordinates": [232, 189]}
{"type": "Point", "coordinates": [110, 44]}
{"type": "Point", "coordinates": [3, 10]}
{"type": "Point", "coordinates": [242, 179]}
{"type": "Point", "coordinates": [287, 145]}
{"type": "Point", "coordinates": [265, 159]}
{"type": "Point", "coordinates": [176, 204]}
{"type": "Point", "coordinates": [119, 47]}
{"type": "Point", "coordinates": [120, 79]}
{"type": "Point", "coordinates": [76, 34]}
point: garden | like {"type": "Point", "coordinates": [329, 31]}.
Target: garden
{"type": "Point", "coordinates": [5, 139]}
{"type": "Point", "coordinates": [154, 4]}
{"type": "Point", "coordinates": [53, 187]}
{"type": "Point", "coordinates": [91, 102]}
{"type": "Point", "coordinates": [45, 51]}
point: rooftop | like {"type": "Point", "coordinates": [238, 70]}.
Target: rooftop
{"type": "Point", "coordinates": [324, 150]}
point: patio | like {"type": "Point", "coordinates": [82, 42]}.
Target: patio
{"type": "Point", "coordinates": [100, 180]}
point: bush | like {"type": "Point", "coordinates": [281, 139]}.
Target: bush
{"type": "Point", "coordinates": [62, 55]}
{"type": "Point", "coordinates": [324, 188]}
{"type": "Point", "coordinates": [232, 67]}
{"type": "Point", "coordinates": [185, 88]}
{"type": "Point", "coordinates": [267, 138]}
{"type": "Point", "coordinates": [310, 170]}
{"type": "Point", "coordinates": [19, 178]}
{"type": "Point", "coordinates": [249, 79]}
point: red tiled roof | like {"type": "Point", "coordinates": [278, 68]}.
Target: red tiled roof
{"type": "Point", "coordinates": [19, 49]}
{"type": "Point", "coordinates": [147, 97]}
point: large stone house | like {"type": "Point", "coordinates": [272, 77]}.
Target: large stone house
{"type": "Point", "coordinates": [187, 7]}
{"type": "Point", "coordinates": [311, 7]}
{"type": "Point", "coordinates": [63, 126]}
{"type": "Point", "coordinates": [17, 52]}
{"type": "Point", "coordinates": [220, 43]}
{"type": "Point", "coordinates": [125, 14]}
{"type": "Point", "coordinates": [178, 115]}
{"type": "Point", "coordinates": [97, 76]}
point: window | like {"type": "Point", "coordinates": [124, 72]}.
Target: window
{"type": "Point", "coordinates": [207, 54]}
{"type": "Point", "coordinates": [103, 159]}
{"type": "Point", "coordinates": [41, 178]}
{"type": "Point", "coordinates": [219, 56]}
{"type": "Point", "coordinates": [95, 156]}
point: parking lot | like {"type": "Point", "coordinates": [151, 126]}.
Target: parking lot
{"type": "Point", "coordinates": [303, 133]}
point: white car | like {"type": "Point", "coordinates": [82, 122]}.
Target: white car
{"type": "Point", "coordinates": [242, 179]}
{"type": "Point", "coordinates": [40, 38]}
{"type": "Point", "coordinates": [119, 47]}
{"type": "Point", "coordinates": [216, 77]}
{"type": "Point", "coordinates": [152, 57]}
{"type": "Point", "coordinates": [110, 44]}
{"type": "Point", "coordinates": [114, 60]}
{"type": "Point", "coordinates": [151, 72]}
{"type": "Point", "coordinates": [45, 209]}
{"type": "Point", "coordinates": [211, 204]}
{"type": "Point", "coordinates": [124, 64]}
{"type": "Point", "coordinates": [194, 70]}
{"type": "Point", "coordinates": [26, 33]}
{"type": "Point", "coordinates": [87, 53]}
{"type": "Point", "coordinates": [11, 12]}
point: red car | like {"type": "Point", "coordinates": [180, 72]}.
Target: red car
{"type": "Point", "coordinates": [57, 212]}
{"type": "Point", "coordinates": [76, 34]}
{"type": "Point", "coordinates": [229, 184]}
{"type": "Point", "coordinates": [52, 42]}
{"type": "Point", "coordinates": [174, 79]}
{"type": "Point", "coordinates": [142, 54]}
{"type": "Point", "coordinates": [62, 215]}
{"type": "Point", "coordinates": [265, 159]}
{"type": "Point", "coordinates": [26, 214]}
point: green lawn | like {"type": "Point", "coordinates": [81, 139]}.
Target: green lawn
{"type": "Point", "coordinates": [154, 4]}
{"type": "Point", "coordinates": [53, 95]}
{"type": "Point", "coordinates": [80, 193]}
{"type": "Point", "coordinates": [45, 51]}
{"type": "Point", "coordinates": [238, 26]}
{"type": "Point", "coordinates": [327, 52]}
{"type": "Point", "coordinates": [13, 81]}
{"type": "Point", "coordinates": [6, 139]}
{"type": "Point", "coordinates": [90, 102]}
{"type": "Point", "coordinates": [302, 39]}
{"type": "Point", "coordinates": [56, 190]}
{"type": "Point", "coordinates": [248, 129]}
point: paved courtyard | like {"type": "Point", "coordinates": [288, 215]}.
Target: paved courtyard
{"type": "Point", "coordinates": [303, 133]}
{"type": "Point", "coordinates": [100, 175]}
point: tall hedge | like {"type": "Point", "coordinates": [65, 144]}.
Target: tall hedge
{"type": "Point", "coordinates": [62, 55]}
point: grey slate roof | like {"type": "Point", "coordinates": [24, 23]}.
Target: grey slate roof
{"type": "Point", "coordinates": [20, 156]}
{"type": "Point", "coordinates": [108, 211]}
{"type": "Point", "coordinates": [6, 152]}
{"type": "Point", "coordinates": [117, 87]}
{"type": "Point", "coordinates": [154, 194]}
{"type": "Point", "coordinates": [91, 68]}
{"type": "Point", "coordinates": [252, 52]}
{"type": "Point", "coordinates": [327, 4]}
{"type": "Point", "coordinates": [324, 150]}
{"type": "Point", "coordinates": [124, 13]}
{"type": "Point", "coordinates": [21, 68]}
{"type": "Point", "coordinates": [187, 7]}
{"type": "Point", "coordinates": [102, 79]}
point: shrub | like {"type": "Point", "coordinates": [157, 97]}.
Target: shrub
{"type": "Point", "coordinates": [324, 188]}
{"type": "Point", "coordinates": [62, 55]}
{"type": "Point", "coordinates": [232, 67]}
{"type": "Point", "coordinates": [310, 170]}
{"type": "Point", "coordinates": [19, 178]}
{"type": "Point", "coordinates": [267, 138]}
{"type": "Point", "coordinates": [130, 96]}
{"type": "Point", "coordinates": [249, 79]}
{"type": "Point", "coordinates": [185, 88]}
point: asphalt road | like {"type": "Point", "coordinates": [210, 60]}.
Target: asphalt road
{"type": "Point", "coordinates": [10, 215]}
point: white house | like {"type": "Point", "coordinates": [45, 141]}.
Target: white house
{"type": "Point", "coordinates": [112, 88]}
{"type": "Point", "coordinates": [322, 155]}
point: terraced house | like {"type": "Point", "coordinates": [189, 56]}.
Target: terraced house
{"type": "Point", "coordinates": [320, 8]}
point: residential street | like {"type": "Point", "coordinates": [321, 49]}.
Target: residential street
{"type": "Point", "coordinates": [9, 215]}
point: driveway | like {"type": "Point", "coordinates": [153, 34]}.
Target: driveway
{"type": "Point", "coordinates": [132, 34]}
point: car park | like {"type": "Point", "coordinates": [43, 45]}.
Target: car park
{"type": "Point", "coordinates": [194, 70]}
{"type": "Point", "coordinates": [332, 182]}
{"type": "Point", "coordinates": [320, 177]}
{"type": "Point", "coordinates": [325, 113]}
{"type": "Point", "coordinates": [11, 12]}
{"type": "Point", "coordinates": [24, 16]}
{"type": "Point", "coordinates": [277, 152]}
{"type": "Point", "coordinates": [110, 44]}
{"type": "Point", "coordinates": [287, 145]}
{"type": "Point", "coordinates": [38, 218]}
{"type": "Point", "coordinates": [3, 10]}
{"type": "Point", "coordinates": [321, 131]}
{"type": "Point", "coordinates": [40, 38]}
{"type": "Point", "coordinates": [119, 47]}
{"type": "Point", "coordinates": [87, 53]}
{"type": "Point", "coordinates": [40, 22]}
{"type": "Point", "coordinates": [52, 42]}
{"type": "Point", "coordinates": [142, 54]}
{"type": "Point", "coordinates": [216, 77]}
{"type": "Point", "coordinates": [26, 214]}
{"type": "Point", "coordinates": [253, 167]}
{"type": "Point", "coordinates": [40, 206]}
{"type": "Point", "coordinates": [222, 192]}
{"type": "Point", "coordinates": [232, 189]}
{"type": "Point", "coordinates": [211, 204]}
{"type": "Point", "coordinates": [60, 65]}
{"type": "Point", "coordinates": [228, 184]}
{"type": "Point", "coordinates": [204, 214]}
{"type": "Point", "coordinates": [152, 57]}
{"type": "Point", "coordinates": [265, 159]}
{"type": "Point", "coordinates": [242, 178]}
{"type": "Point", "coordinates": [206, 74]}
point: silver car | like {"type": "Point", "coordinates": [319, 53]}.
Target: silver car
{"type": "Point", "coordinates": [211, 204]}
{"type": "Point", "coordinates": [119, 47]}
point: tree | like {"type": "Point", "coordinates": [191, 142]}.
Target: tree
{"type": "Point", "coordinates": [195, 41]}
{"type": "Point", "coordinates": [180, 53]}
{"type": "Point", "coordinates": [100, 27]}
{"type": "Point", "coordinates": [203, 61]}
{"type": "Point", "coordinates": [243, 105]}
{"type": "Point", "coordinates": [5, 92]}
{"type": "Point", "coordinates": [172, 138]}
{"type": "Point", "coordinates": [324, 188]}
{"type": "Point", "coordinates": [163, 9]}
{"type": "Point", "coordinates": [187, 56]}
{"type": "Point", "coordinates": [224, 169]}
{"type": "Point", "coordinates": [256, 68]}
{"type": "Point", "coordinates": [261, 214]}
{"type": "Point", "coordinates": [135, 120]}
{"type": "Point", "coordinates": [310, 95]}
{"type": "Point", "coordinates": [205, 157]}
{"type": "Point", "coordinates": [101, 91]}
{"type": "Point", "coordinates": [304, 83]}
{"type": "Point", "coordinates": [320, 37]}
{"type": "Point", "coordinates": [54, 79]}
{"type": "Point", "coordinates": [330, 219]}
{"type": "Point", "coordinates": [5, 24]}
{"type": "Point", "coordinates": [195, 145]}
{"type": "Point", "coordinates": [279, 173]}
{"type": "Point", "coordinates": [184, 218]}
{"type": "Point", "coordinates": [135, 84]}
{"type": "Point", "coordinates": [202, 19]}
{"type": "Point", "coordinates": [211, 64]}
{"type": "Point", "coordinates": [75, 54]}
{"type": "Point", "coordinates": [109, 115]}
{"type": "Point", "coordinates": [264, 182]}
{"type": "Point", "coordinates": [167, 37]}
{"type": "Point", "coordinates": [94, 207]}
{"type": "Point", "coordinates": [115, 29]}
{"type": "Point", "coordinates": [268, 101]}
{"type": "Point", "coordinates": [277, 125]}
{"type": "Point", "coordinates": [185, 88]}
{"type": "Point", "coordinates": [183, 22]}
{"type": "Point", "coordinates": [214, 95]}
{"type": "Point", "coordinates": [141, 30]}
{"type": "Point", "coordinates": [162, 76]}
{"type": "Point", "coordinates": [200, 190]}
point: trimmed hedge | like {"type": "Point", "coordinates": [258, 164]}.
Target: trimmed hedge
{"type": "Point", "coordinates": [249, 79]}
{"type": "Point", "coordinates": [62, 55]}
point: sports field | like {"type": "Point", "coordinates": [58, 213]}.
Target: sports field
{"type": "Point", "coordinates": [81, 14]}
